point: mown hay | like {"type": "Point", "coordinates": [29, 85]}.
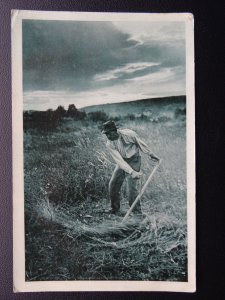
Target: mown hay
{"type": "Point", "coordinates": [148, 248]}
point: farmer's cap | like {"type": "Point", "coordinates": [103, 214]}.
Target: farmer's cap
{"type": "Point", "coordinates": [109, 126]}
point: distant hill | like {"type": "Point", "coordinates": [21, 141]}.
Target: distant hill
{"type": "Point", "coordinates": [138, 107]}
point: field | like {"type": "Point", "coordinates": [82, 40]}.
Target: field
{"type": "Point", "coordinates": [68, 234]}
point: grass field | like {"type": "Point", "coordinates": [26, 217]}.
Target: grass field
{"type": "Point", "coordinates": [68, 235]}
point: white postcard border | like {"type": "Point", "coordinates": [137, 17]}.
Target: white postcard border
{"type": "Point", "coordinates": [20, 285]}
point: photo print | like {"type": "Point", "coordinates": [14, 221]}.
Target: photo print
{"type": "Point", "coordinates": [103, 151]}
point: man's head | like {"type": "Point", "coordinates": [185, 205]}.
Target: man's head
{"type": "Point", "coordinates": [110, 130]}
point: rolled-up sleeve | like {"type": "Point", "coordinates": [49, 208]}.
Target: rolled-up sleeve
{"type": "Point", "coordinates": [119, 160]}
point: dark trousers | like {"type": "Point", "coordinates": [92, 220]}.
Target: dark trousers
{"type": "Point", "coordinates": [117, 180]}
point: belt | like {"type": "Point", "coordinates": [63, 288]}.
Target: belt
{"type": "Point", "coordinates": [135, 156]}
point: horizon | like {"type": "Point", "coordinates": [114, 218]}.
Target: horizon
{"type": "Point", "coordinates": [109, 103]}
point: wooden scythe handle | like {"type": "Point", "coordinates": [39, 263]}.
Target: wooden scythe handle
{"type": "Point", "coordinates": [142, 191]}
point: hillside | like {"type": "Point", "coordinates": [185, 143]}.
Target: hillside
{"type": "Point", "coordinates": [147, 106]}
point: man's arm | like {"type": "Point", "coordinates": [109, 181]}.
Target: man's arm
{"type": "Point", "coordinates": [145, 149]}
{"type": "Point", "coordinates": [122, 163]}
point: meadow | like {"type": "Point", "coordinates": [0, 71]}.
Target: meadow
{"type": "Point", "coordinates": [68, 234]}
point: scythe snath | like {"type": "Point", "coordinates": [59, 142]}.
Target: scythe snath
{"type": "Point", "coordinates": [142, 191]}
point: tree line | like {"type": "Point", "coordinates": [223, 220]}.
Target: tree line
{"type": "Point", "coordinates": [50, 119]}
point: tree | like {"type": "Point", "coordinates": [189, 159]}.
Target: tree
{"type": "Point", "coordinates": [61, 111]}
{"type": "Point", "coordinates": [72, 111]}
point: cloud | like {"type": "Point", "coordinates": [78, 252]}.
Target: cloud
{"type": "Point", "coordinates": [125, 70]}
{"type": "Point", "coordinates": [94, 62]}
{"type": "Point", "coordinates": [159, 84]}
{"type": "Point", "coordinates": [162, 75]}
{"type": "Point", "coordinates": [66, 54]}
{"type": "Point", "coordinates": [150, 32]}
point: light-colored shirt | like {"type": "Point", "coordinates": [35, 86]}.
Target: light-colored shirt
{"type": "Point", "coordinates": [127, 145]}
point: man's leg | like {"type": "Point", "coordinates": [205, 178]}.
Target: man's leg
{"type": "Point", "coordinates": [114, 187]}
{"type": "Point", "coordinates": [133, 184]}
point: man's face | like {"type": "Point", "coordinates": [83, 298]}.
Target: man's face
{"type": "Point", "coordinates": [112, 135]}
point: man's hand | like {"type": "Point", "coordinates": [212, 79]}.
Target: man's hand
{"type": "Point", "coordinates": [136, 175]}
{"type": "Point", "coordinates": [154, 157]}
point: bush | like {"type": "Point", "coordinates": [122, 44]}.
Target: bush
{"type": "Point", "coordinates": [50, 119]}
{"type": "Point", "coordinates": [163, 119]}
{"type": "Point", "coordinates": [74, 113]}
{"type": "Point", "coordinates": [98, 116]}
{"type": "Point", "coordinates": [143, 117]}
{"type": "Point", "coordinates": [180, 112]}
{"type": "Point", "coordinates": [42, 120]}
{"type": "Point", "coordinates": [131, 117]}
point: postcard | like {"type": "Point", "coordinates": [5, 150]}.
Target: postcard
{"type": "Point", "coordinates": [103, 151]}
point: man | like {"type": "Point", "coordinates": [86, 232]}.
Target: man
{"type": "Point", "coordinates": [124, 146]}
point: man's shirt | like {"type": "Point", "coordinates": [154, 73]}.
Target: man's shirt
{"type": "Point", "coordinates": [127, 145]}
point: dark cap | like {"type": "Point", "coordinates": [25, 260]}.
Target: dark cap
{"type": "Point", "coordinates": [108, 126]}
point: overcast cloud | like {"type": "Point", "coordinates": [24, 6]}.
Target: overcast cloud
{"type": "Point", "coordinates": [88, 63]}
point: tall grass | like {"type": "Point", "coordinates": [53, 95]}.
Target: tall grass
{"type": "Point", "coordinates": [68, 235]}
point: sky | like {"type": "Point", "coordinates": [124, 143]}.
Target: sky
{"type": "Point", "coordinates": [95, 62]}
